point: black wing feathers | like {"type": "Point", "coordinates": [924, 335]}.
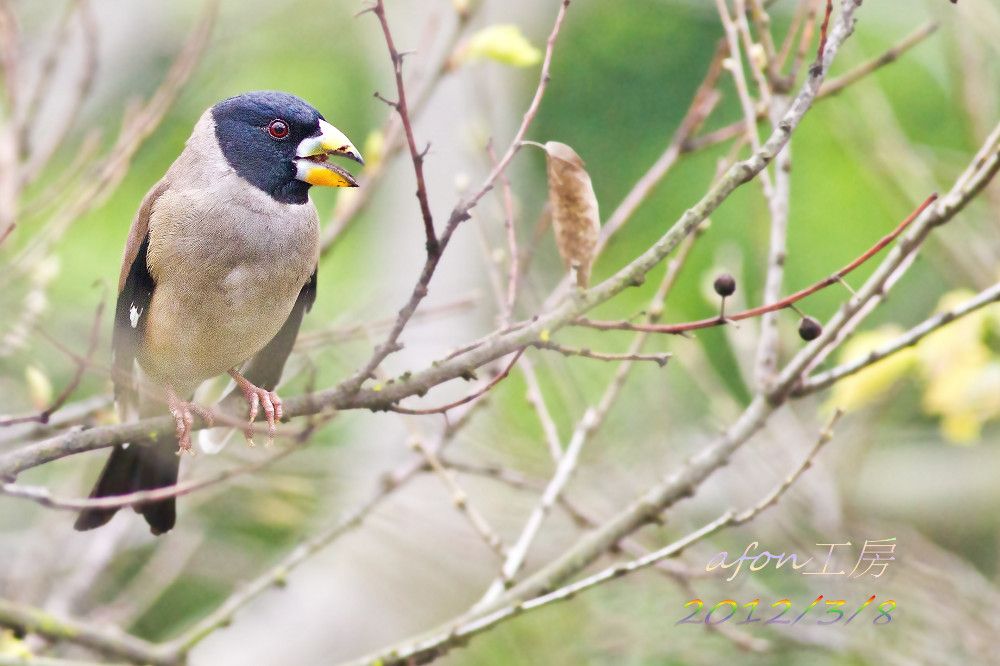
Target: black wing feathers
{"type": "Point", "coordinates": [131, 314]}
{"type": "Point", "coordinates": [141, 465]}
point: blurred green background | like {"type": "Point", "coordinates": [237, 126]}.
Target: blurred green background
{"type": "Point", "coordinates": [622, 78]}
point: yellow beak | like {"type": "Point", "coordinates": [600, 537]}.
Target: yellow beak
{"type": "Point", "coordinates": [311, 165]}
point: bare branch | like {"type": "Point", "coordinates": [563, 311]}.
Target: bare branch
{"type": "Point", "coordinates": [502, 375]}
{"type": "Point", "coordinates": [659, 359]}
{"type": "Point", "coordinates": [348, 209]}
{"type": "Point", "coordinates": [105, 640]}
{"type": "Point", "coordinates": [81, 367]}
{"type": "Point", "coordinates": [404, 116]}
{"type": "Point", "coordinates": [913, 336]}
{"type": "Point", "coordinates": [711, 457]}
{"type": "Point", "coordinates": [460, 498]}
{"type": "Point", "coordinates": [786, 302]}
{"type": "Point", "coordinates": [834, 86]}
{"type": "Point", "coordinates": [438, 643]}
{"type": "Point", "coordinates": [459, 214]}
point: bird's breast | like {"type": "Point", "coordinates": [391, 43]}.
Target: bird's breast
{"type": "Point", "coordinates": [228, 268]}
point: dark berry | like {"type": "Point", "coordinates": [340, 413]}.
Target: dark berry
{"type": "Point", "coordinates": [809, 329]}
{"type": "Point", "coordinates": [725, 285]}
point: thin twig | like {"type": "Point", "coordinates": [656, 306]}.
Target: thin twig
{"type": "Point", "coordinates": [348, 209]}
{"type": "Point", "coordinates": [475, 395]}
{"type": "Point", "coordinates": [537, 401]}
{"type": "Point", "coordinates": [345, 332]}
{"type": "Point", "coordinates": [79, 93]}
{"type": "Point", "coordinates": [529, 115]}
{"type": "Point", "coordinates": [588, 425]}
{"type": "Point", "coordinates": [513, 254]}
{"type": "Point", "coordinates": [766, 361]}
{"type": "Point", "coordinates": [747, 102]}
{"type": "Point", "coordinates": [460, 498]}
{"type": "Point", "coordinates": [786, 302]}
{"type": "Point", "coordinates": [659, 359]}
{"type": "Point", "coordinates": [136, 128]}
{"type": "Point", "coordinates": [804, 8]}
{"type": "Point", "coordinates": [835, 85]}
{"type": "Point", "coordinates": [440, 642]}
{"type": "Point", "coordinates": [823, 380]}
{"type": "Point", "coordinates": [705, 99]}
{"type": "Point", "coordinates": [823, 29]}
{"type": "Point", "coordinates": [81, 367]}
{"type": "Point", "coordinates": [762, 24]}
{"type": "Point", "coordinates": [826, 91]}
{"type": "Point", "coordinates": [278, 575]}
{"type": "Point", "coordinates": [105, 640]}
{"type": "Point", "coordinates": [459, 214]}
{"type": "Point", "coordinates": [44, 497]}
{"type": "Point", "coordinates": [416, 155]}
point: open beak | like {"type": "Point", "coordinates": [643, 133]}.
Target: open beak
{"type": "Point", "coordinates": [312, 155]}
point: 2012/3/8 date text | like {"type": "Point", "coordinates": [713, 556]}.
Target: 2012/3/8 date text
{"type": "Point", "coordinates": [728, 608]}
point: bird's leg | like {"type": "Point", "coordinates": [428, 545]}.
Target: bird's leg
{"type": "Point", "coordinates": [183, 413]}
{"type": "Point", "coordinates": [256, 398]}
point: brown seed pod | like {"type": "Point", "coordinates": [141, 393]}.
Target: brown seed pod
{"type": "Point", "coordinates": [575, 216]}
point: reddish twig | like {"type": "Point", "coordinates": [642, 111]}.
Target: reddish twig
{"type": "Point", "coordinates": [81, 366]}
{"type": "Point", "coordinates": [417, 156]}
{"type": "Point", "coordinates": [5, 234]}
{"type": "Point", "coordinates": [459, 214]}
{"type": "Point", "coordinates": [786, 302]}
{"type": "Point", "coordinates": [822, 31]}
{"type": "Point", "coordinates": [467, 399]}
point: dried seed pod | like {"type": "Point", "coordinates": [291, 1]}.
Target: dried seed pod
{"type": "Point", "coordinates": [575, 216]}
{"type": "Point", "coordinates": [725, 285]}
{"type": "Point", "coordinates": [809, 329]}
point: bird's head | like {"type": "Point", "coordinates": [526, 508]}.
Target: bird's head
{"type": "Point", "coordinates": [281, 144]}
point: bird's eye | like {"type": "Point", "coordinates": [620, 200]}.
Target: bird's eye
{"type": "Point", "coordinates": [278, 129]}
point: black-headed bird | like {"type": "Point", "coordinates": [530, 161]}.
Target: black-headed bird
{"type": "Point", "coordinates": [219, 269]}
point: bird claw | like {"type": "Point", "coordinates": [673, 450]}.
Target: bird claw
{"type": "Point", "coordinates": [257, 399]}
{"type": "Point", "coordinates": [183, 413]}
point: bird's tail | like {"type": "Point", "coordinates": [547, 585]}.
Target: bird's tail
{"type": "Point", "coordinates": [131, 468]}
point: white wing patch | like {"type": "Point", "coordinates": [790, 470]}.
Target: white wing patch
{"type": "Point", "coordinates": [133, 316]}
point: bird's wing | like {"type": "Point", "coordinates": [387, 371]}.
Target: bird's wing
{"type": "Point", "coordinates": [264, 369]}
{"type": "Point", "coordinates": [142, 464]}
{"type": "Point", "coordinates": [135, 291]}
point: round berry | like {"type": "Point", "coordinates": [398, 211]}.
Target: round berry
{"type": "Point", "coordinates": [725, 285]}
{"type": "Point", "coordinates": [809, 329]}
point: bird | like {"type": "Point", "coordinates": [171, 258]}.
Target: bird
{"type": "Point", "coordinates": [219, 269]}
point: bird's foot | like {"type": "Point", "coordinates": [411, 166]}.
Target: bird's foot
{"type": "Point", "coordinates": [183, 413]}
{"type": "Point", "coordinates": [258, 398]}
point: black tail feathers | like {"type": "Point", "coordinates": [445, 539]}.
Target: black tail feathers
{"type": "Point", "coordinates": [133, 468]}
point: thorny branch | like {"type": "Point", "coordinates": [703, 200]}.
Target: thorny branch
{"type": "Point", "coordinates": [416, 155]}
